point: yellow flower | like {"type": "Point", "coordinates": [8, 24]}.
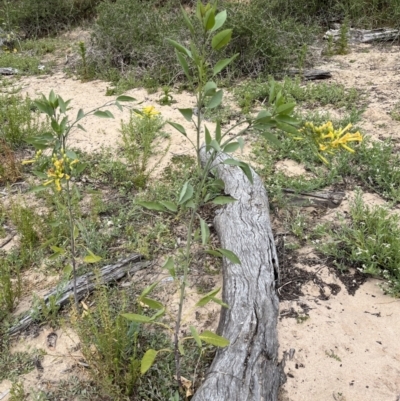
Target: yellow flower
{"type": "Point", "coordinates": [329, 140]}
{"type": "Point", "coordinates": [150, 111]}
{"type": "Point", "coordinates": [57, 173]}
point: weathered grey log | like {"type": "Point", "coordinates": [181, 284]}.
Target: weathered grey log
{"type": "Point", "coordinates": [364, 35]}
{"type": "Point", "coordinates": [328, 199]}
{"type": "Point", "coordinates": [8, 71]}
{"type": "Point", "coordinates": [84, 285]}
{"type": "Point", "coordinates": [248, 369]}
{"type": "Point", "coordinates": [310, 75]}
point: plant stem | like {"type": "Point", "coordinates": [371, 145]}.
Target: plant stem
{"type": "Point", "coordinates": [72, 239]}
{"type": "Point", "coordinates": [182, 296]}
{"type": "Point", "coordinates": [203, 178]}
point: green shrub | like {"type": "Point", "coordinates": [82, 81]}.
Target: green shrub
{"type": "Point", "coordinates": [267, 39]}
{"type": "Point", "coordinates": [133, 32]}
{"type": "Point", "coordinates": [37, 18]}
{"type": "Point", "coordinates": [18, 120]}
{"type": "Point", "coordinates": [370, 242]}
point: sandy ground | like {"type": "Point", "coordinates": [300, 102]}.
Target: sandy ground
{"type": "Point", "coordinates": [347, 349]}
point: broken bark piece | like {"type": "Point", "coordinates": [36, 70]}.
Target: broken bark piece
{"type": "Point", "coordinates": [8, 71]}
{"type": "Point", "coordinates": [248, 369]}
{"type": "Point", "coordinates": [328, 199]}
{"type": "Point", "coordinates": [365, 35]}
{"type": "Point", "coordinates": [84, 285]}
{"type": "Point", "coordinates": [310, 75]}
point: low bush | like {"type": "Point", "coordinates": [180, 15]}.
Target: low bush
{"type": "Point", "coordinates": [44, 17]}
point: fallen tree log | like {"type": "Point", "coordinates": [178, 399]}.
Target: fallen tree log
{"type": "Point", "coordinates": [84, 285]}
{"type": "Point", "coordinates": [248, 369]}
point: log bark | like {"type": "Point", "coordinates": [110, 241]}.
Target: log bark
{"type": "Point", "coordinates": [365, 35]}
{"type": "Point", "coordinates": [248, 369]}
{"type": "Point", "coordinates": [327, 199]}
{"type": "Point", "coordinates": [311, 75]}
{"type": "Point", "coordinates": [8, 71]}
{"type": "Point", "coordinates": [85, 284]}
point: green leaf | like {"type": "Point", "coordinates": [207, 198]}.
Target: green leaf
{"type": "Point", "coordinates": [80, 115]}
{"type": "Point", "coordinates": [186, 193]}
{"type": "Point", "coordinates": [79, 168]}
{"type": "Point", "coordinates": [223, 64]}
{"type": "Point", "coordinates": [161, 312]}
{"type": "Point", "coordinates": [62, 104]}
{"type": "Point", "coordinates": [67, 270]}
{"type": "Point", "coordinates": [169, 265]}
{"type": "Point", "coordinates": [136, 318]}
{"type": "Point", "coordinates": [178, 127]}
{"type": "Point", "coordinates": [55, 126]}
{"type": "Point", "coordinates": [205, 232]}
{"type": "Point", "coordinates": [181, 349]}
{"type": "Point", "coordinates": [152, 205]}
{"type": "Point", "coordinates": [44, 107]}
{"type": "Point", "coordinates": [220, 19]}
{"type": "Point", "coordinates": [124, 98]}
{"type": "Point", "coordinates": [152, 303]}
{"type": "Point", "coordinates": [119, 106]}
{"type": "Point", "coordinates": [231, 147]}
{"type": "Point", "coordinates": [207, 135]}
{"type": "Point", "coordinates": [215, 145]}
{"type": "Point", "coordinates": [218, 132]}
{"type": "Point", "coordinates": [229, 255]}
{"type": "Point", "coordinates": [179, 47]}
{"type": "Point", "coordinates": [57, 250]}
{"type": "Point", "coordinates": [169, 205]}
{"type": "Point", "coordinates": [71, 154]}
{"type": "Point", "coordinates": [216, 100]}
{"type": "Point", "coordinates": [221, 39]}
{"type": "Point", "coordinates": [287, 128]}
{"type": "Point", "coordinates": [223, 200]}
{"type": "Point", "coordinates": [264, 118]}
{"type": "Point", "coordinates": [213, 339]}
{"type": "Point", "coordinates": [148, 360]}
{"type": "Point", "coordinates": [241, 143]}
{"type": "Point", "coordinates": [209, 19]}
{"type": "Point", "coordinates": [214, 253]}
{"type": "Point", "coordinates": [220, 302]}
{"type": "Point", "coordinates": [38, 188]}
{"type": "Point", "coordinates": [187, 113]}
{"type": "Point", "coordinates": [272, 92]}
{"type": "Point", "coordinates": [209, 88]}
{"type": "Point", "coordinates": [187, 21]}
{"type": "Point", "coordinates": [103, 114]}
{"type": "Point", "coordinates": [183, 63]}
{"type": "Point", "coordinates": [41, 142]}
{"type": "Point", "coordinates": [195, 335]}
{"type": "Point", "coordinates": [80, 127]}
{"type": "Point", "coordinates": [247, 171]}
{"type": "Point", "coordinates": [244, 166]}
{"type": "Point", "coordinates": [270, 137]}
{"type": "Point", "coordinates": [285, 109]}
{"type": "Point", "coordinates": [288, 120]}
{"type": "Point", "coordinates": [207, 298]}
{"type": "Point", "coordinates": [76, 232]}
{"type": "Point", "coordinates": [232, 162]}
{"type": "Point", "coordinates": [148, 290]}
{"type": "Point", "coordinates": [91, 258]}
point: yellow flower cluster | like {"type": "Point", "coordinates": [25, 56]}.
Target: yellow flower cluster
{"type": "Point", "coordinates": [328, 139]}
{"type": "Point", "coordinates": [150, 111]}
{"type": "Point", "coordinates": [58, 172]}
{"type": "Point", "coordinates": [37, 157]}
